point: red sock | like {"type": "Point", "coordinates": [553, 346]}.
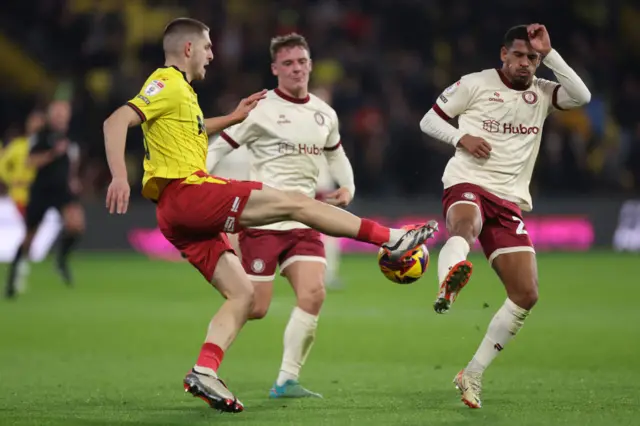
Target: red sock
{"type": "Point", "coordinates": [372, 232]}
{"type": "Point", "coordinates": [210, 356]}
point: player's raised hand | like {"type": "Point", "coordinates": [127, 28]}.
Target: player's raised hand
{"type": "Point", "coordinates": [247, 104]}
{"type": "Point", "coordinates": [476, 146]}
{"type": "Point", "coordinates": [539, 38]}
{"type": "Point", "coordinates": [339, 198]}
{"type": "Point", "coordinates": [118, 196]}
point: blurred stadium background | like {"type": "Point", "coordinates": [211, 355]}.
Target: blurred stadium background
{"type": "Point", "coordinates": [383, 62]}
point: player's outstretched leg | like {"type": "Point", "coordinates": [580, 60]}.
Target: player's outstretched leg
{"type": "Point", "coordinates": [464, 224]}
{"type": "Point", "coordinates": [73, 217]}
{"type": "Point", "coordinates": [269, 205]}
{"type": "Point", "coordinates": [518, 273]}
{"type": "Point", "coordinates": [307, 280]}
{"type": "Point", "coordinates": [202, 381]}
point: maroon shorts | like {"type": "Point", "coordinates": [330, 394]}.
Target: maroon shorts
{"type": "Point", "coordinates": [503, 229]}
{"type": "Point", "coordinates": [194, 213]}
{"type": "Point", "coordinates": [264, 249]}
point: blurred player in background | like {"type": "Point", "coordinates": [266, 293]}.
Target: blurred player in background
{"type": "Point", "coordinates": [289, 135]}
{"type": "Point", "coordinates": [501, 114]}
{"type": "Point", "coordinates": [15, 171]}
{"type": "Point", "coordinates": [18, 174]}
{"type": "Point", "coordinates": [195, 209]}
{"type": "Point", "coordinates": [57, 185]}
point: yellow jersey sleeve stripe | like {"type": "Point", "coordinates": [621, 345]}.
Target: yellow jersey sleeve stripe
{"type": "Point", "coordinates": [138, 111]}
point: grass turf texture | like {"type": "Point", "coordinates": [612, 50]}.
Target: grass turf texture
{"type": "Point", "coordinates": [114, 350]}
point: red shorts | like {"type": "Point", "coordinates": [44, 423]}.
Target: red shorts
{"type": "Point", "coordinates": [194, 213]}
{"type": "Point", "coordinates": [503, 229]}
{"type": "Point", "coordinates": [263, 250]}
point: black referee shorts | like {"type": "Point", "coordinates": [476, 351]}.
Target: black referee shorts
{"type": "Point", "coordinates": [40, 201]}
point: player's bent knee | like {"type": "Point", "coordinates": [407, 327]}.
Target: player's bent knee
{"type": "Point", "coordinates": [259, 310]}
{"type": "Point", "coordinates": [311, 296]}
{"type": "Point", "coordinates": [526, 294]}
{"type": "Point", "coordinates": [232, 282]}
{"type": "Point", "coordinates": [465, 228]}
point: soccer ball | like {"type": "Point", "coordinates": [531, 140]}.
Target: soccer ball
{"type": "Point", "coordinates": [407, 270]}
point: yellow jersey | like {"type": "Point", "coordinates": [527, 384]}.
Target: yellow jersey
{"type": "Point", "coordinates": [15, 171]}
{"type": "Point", "coordinates": [174, 135]}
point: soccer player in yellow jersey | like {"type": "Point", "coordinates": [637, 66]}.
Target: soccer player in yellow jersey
{"type": "Point", "coordinates": [15, 170]}
{"type": "Point", "coordinates": [195, 209]}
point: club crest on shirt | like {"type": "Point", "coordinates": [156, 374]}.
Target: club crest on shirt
{"type": "Point", "coordinates": [530, 97]}
{"type": "Point", "coordinates": [449, 90]}
{"type": "Point", "coordinates": [154, 88]}
{"type": "Point", "coordinates": [257, 266]}
{"type": "Point", "coordinates": [319, 118]}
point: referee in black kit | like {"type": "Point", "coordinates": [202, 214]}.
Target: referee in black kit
{"type": "Point", "coordinates": [56, 185]}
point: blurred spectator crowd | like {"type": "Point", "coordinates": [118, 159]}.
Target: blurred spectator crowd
{"type": "Point", "coordinates": [383, 62]}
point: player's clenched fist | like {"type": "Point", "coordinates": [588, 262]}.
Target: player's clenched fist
{"type": "Point", "coordinates": [339, 198]}
{"type": "Point", "coordinates": [478, 147]}
{"type": "Point", "coordinates": [539, 38]}
{"type": "Point", "coordinates": [247, 104]}
{"type": "Point", "coordinates": [118, 196]}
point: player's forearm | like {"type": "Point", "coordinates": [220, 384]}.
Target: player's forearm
{"type": "Point", "coordinates": [341, 170]}
{"type": "Point", "coordinates": [433, 125]}
{"type": "Point", "coordinates": [218, 124]}
{"type": "Point", "coordinates": [218, 149]}
{"type": "Point", "coordinates": [41, 159]}
{"type": "Point", "coordinates": [115, 137]}
{"type": "Point", "coordinates": [574, 92]}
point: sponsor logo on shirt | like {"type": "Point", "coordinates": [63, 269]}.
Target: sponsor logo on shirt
{"type": "Point", "coordinates": [144, 99]}
{"type": "Point", "coordinates": [288, 148]}
{"type": "Point", "coordinates": [444, 99]}
{"type": "Point", "coordinates": [449, 90]}
{"type": "Point", "coordinates": [154, 88]}
{"type": "Point", "coordinates": [493, 126]}
{"type": "Point", "coordinates": [283, 120]}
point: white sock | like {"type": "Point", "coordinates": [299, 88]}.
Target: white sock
{"type": "Point", "coordinates": [23, 273]}
{"type": "Point", "coordinates": [298, 339]}
{"type": "Point", "coordinates": [395, 234]}
{"type": "Point", "coordinates": [502, 329]}
{"type": "Point", "coordinates": [454, 251]}
{"type": "Point", "coordinates": [332, 255]}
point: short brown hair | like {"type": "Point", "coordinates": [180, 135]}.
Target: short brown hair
{"type": "Point", "coordinates": [288, 40]}
{"type": "Point", "coordinates": [181, 27]}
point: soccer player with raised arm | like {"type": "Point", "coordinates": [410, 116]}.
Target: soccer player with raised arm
{"type": "Point", "coordinates": [501, 113]}
{"type": "Point", "coordinates": [289, 135]}
{"type": "Point", "coordinates": [195, 210]}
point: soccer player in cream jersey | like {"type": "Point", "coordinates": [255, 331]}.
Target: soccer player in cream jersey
{"type": "Point", "coordinates": [195, 210]}
{"type": "Point", "coordinates": [289, 135]}
{"type": "Point", "coordinates": [501, 113]}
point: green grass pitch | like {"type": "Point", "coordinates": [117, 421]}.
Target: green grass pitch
{"type": "Point", "coordinates": [114, 350]}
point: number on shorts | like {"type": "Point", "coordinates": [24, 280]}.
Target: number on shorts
{"type": "Point", "coordinates": [147, 155]}
{"type": "Point", "coordinates": [520, 230]}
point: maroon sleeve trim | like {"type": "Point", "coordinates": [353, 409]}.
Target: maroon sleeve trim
{"type": "Point", "coordinates": [554, 98]}
{"type": "Point", "coordinates": [229, 140]}
{"type": "Point", "coordinates": [333, 148]}
{"type": "Point", "coordinates": [137, 111]}
{"type": "Point", "coordinates": [440, 112]}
